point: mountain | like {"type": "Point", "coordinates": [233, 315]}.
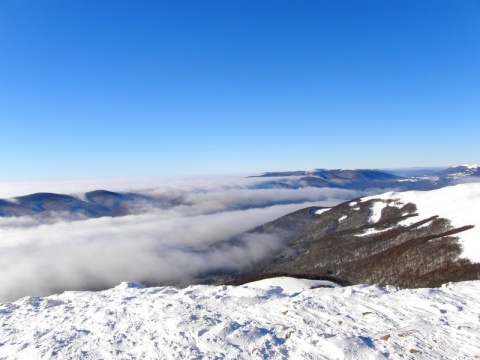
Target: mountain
{"type": "Point", "coordinates": [363, 179]}
{"type": "Point", "coordinates": [347, 179]}
{"type": "Point", "coordinates": [49, 202]}
{"type": "Point", "coordinates": [100, 203]}
{"type": "Point", "coordinates": [415, 171]}
{"type": "Point", "coordinates": [10, 208]}
{"type": "Point", "coordinates": [336, 174]}
{"type": "Point", "coordinates": [408, 239]}
{"type": "Point", "coordinates": [96, 204]}
{"type": "Point", "coordinates": [119, 204]}
{"type": "Point", "coordinates": [278, 318]}
{"type": "Point", "coordinates": [462, 171]}
{"type": "Point", "coordinates": [426, 240]}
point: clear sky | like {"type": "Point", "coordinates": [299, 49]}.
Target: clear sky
{"type": "Point", "coordinates": [92, 89]}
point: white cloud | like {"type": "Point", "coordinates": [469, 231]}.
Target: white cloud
{"type": "Point", "coordinates": [39, 257]}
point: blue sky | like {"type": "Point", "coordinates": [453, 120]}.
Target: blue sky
{"type": "Point", "coordinates": [92, 89]}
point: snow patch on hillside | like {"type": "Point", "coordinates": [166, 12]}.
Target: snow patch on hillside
{"type": "Point", "coordinates": [321, 211]}
{"type": "Point", "coordinates": [372, 231]}
{"type": "Point", "coordinates": [460, 204]}
{"type": "Point", "coordinates": [376, 211]}
{"type": "Point", "coordinates": [471, 167]}
{"type": "Point", "coordinates": [269, 319]}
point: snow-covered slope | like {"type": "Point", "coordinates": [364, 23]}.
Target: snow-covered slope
{"type": "Point", "coordinates": [409, 239]}
{"type": "Point", "coordinates": [271, 319]}
{"type": "Point", "coordinates": [460, 204]}
{"type": "Point", "coordinates": [462, 171]}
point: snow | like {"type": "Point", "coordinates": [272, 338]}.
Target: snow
{"type": "Point", "coordinates": [321, 211]}
{"type": "Point", "coordinates": [471, 167]}
{"type": "Point", "coordinates": [460, 204]}
{"type": "Point", "coordinates": [376, 211]}
{"type": "Point", "coordinates": [371, 231]}
{"type": "Point", "coordinates": [130, 285]}
{"type": "Point", "coordinates": [290, 285]}
{"type": "Point", "coordinates": [342, 218]}
{"type": "Point", "coordinates": [270, 319]}
{"type": "Point", "coordinates": [354, 205]}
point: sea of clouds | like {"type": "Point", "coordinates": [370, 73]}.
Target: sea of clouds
{"type": "Point", "coordinates": [41, 256]}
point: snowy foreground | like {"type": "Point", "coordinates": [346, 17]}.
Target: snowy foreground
{"type": "Point", "coordinates": [275, 319]}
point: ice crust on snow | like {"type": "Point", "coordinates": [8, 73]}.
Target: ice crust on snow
{"type": "Point", "coordinates": [460, 204]}
{"type": "Point", "coordinates": [269, 319]}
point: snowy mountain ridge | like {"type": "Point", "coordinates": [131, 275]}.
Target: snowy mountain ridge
{"type": "Point", "coordinates": [48, 206]}
{"type": "Point", "coordinates": [460, 204]}
{"type": "Point", "coordinates": [407, 239]}
{"type": "Point", "coordinates": [362, 179]}
{"type": "Point", "coordinates": [473, 166]}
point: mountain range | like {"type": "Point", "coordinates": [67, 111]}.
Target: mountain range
{"type": "Point", "coordinates": [303, 299]}
{"type": "Point", "coordinates": [96, 203]}
{"type": "Point", "coordinates": [100, 203]}
{"type": "Point", "coordinates": [387, 238]}
{"type": "Point", "coordinates": [362, 179]}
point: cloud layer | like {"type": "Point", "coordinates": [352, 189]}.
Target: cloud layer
{"type": "Point", "coordinates": [41, 258]}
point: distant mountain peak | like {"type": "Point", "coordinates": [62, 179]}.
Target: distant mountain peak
{"type": "Point", "coordinates": [456, 172]}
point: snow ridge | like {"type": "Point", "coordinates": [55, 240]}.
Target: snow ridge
{"type": "Point", "coordinates": [275, 319]}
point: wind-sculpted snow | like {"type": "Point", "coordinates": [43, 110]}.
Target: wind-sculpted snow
{"type": "Point", "coordinates": [272, 319]}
